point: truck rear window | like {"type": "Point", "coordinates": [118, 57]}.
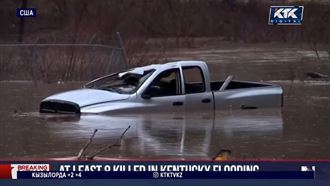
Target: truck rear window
{"type": "Point", "coordinates": [193, 80]}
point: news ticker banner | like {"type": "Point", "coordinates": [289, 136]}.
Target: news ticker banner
{"type": "Point", "coordinates": [162, 170]}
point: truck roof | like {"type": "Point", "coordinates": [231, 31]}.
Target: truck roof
{"type": "Point", "coordinates": [167, 65]}
{"type": "Point", "coordinates": [190, 62]}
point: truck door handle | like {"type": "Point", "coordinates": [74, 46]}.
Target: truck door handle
{"type": "Point", "coordinates": [177, 103]}
{"type": "Point", "coordinates": [206, 100]}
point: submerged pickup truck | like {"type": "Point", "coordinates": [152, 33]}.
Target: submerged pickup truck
{"type": "Point", "coordinates": [181, 86]}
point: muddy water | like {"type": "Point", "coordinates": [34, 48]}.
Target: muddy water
{"type": "Point", "coordinates": [258, 61]}
{"type": "Point", "coordinates": [301, 130]}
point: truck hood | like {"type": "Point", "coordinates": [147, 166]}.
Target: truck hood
{"type": "Point", "coordinates": [85, 97]}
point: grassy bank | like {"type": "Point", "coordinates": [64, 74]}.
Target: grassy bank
{"type": "Point", "coordinates": [152, 32]}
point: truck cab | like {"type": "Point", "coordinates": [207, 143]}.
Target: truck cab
{"type": "Point", "coordinates": [177, 86]}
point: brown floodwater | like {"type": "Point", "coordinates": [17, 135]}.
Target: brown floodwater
{"type": "Point", "coordinates": [301, 130]}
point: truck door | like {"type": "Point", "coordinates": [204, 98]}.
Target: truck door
{"type": "Point", "coordinates": [164, 94]}
{"type": "Point", "coordinates": [197, 97]}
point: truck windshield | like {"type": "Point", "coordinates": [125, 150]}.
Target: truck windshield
{"type": "Point", "coordinates": [124, 83]}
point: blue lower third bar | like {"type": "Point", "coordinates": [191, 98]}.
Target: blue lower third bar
{"type": "Point", "coordinates": [166, 175]}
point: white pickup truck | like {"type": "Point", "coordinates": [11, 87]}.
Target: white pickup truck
{"type": "Point", "coordinates": [181, 86]}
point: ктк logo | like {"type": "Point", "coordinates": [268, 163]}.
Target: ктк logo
{"type": "Point", "coordinates": [285, 15]}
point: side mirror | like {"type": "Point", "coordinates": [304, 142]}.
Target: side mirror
{"type": "Point", "coordinates": [151, 91]}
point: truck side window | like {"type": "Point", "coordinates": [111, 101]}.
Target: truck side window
{"type": "Point", "coordinates": [166, 83]}
{"type": "Point", "coordinates": [193, 80]}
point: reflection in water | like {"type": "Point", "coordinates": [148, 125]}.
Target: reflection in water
{"type": "Point", "coordinates": [155, 136]}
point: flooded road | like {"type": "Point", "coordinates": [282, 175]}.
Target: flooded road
{"type": "Point", "coordinates": [299, 131]}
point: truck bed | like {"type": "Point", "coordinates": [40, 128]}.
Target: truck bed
{"type": "Point", "coordinates": [246, 95]}
{"type": "Point", "coordinates": [215, 85]}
